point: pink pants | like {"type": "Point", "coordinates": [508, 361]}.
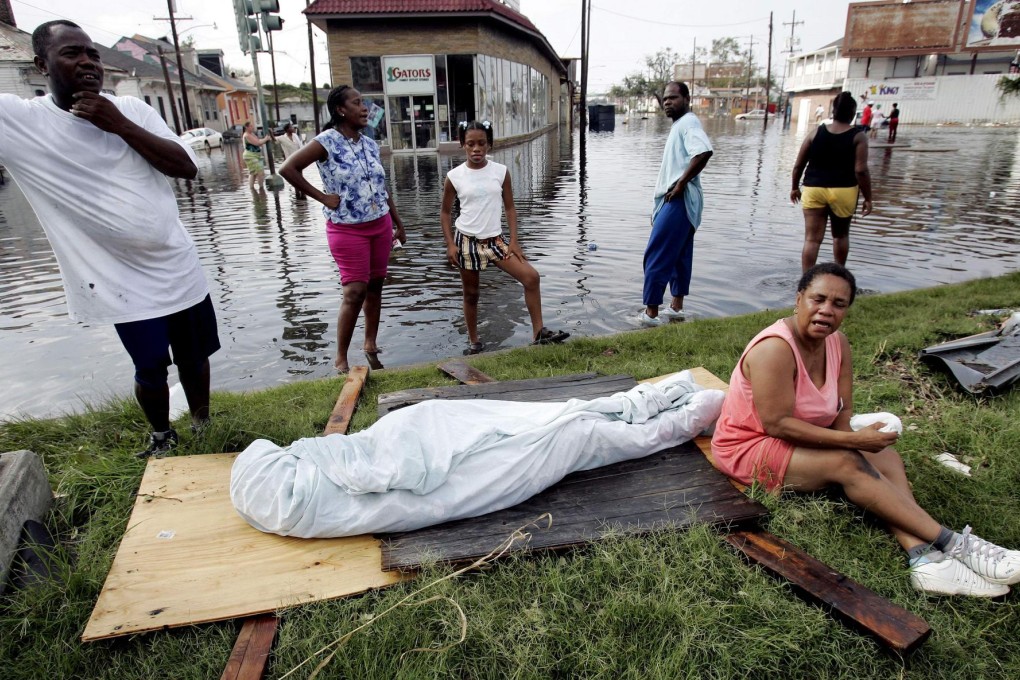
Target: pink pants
{"type": "Point", "coordinates": [361, 251]}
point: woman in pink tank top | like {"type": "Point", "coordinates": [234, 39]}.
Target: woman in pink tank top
{"type": "Point", "coordinates": [786, 424]}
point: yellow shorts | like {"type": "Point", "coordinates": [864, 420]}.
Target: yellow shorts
{"type": "Point", "coordinates": [842, 201]}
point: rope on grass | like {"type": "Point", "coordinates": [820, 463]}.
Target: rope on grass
{"type": "Point", "coordinates": [518, 534]}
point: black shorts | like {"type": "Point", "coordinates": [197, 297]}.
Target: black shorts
{"type": "Point", "coordinates": [190, 334]}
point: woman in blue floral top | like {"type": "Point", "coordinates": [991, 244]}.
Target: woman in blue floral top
{"type": "Point", "coordinates": [361, 219]}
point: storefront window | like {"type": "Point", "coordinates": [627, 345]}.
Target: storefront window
{"type": "Point", "coordinates": [366, 74]}
{"type": "Point", "coordinates": [483, 88]}
{"type": "Point", "coordinates": [376, 129]}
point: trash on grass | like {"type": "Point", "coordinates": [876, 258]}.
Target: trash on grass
{"type": "Point", "coordinates": [953, 463]}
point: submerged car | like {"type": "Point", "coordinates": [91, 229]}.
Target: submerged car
{"type": "Point", "coordinates": [205, 138]}
{"type": "Point", "coordinates": [757, 114]}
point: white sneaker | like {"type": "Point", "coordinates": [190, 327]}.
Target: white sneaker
{"type": "Point", "coordinates": [995, 564]}
{"type": "Point", "coordinates": [671, 313]}
{"type": "Point", "coordinates": [650, 321]}
{"type": "Point", "coordinates": [951, 577]}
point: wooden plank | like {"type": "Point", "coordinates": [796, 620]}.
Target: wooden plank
{"type": "Point", "coordinates": [891, 625]}
{"type": "Point", "coordinates": [465, 373]}
{"type": "Point", "coordinates": [250, 655]}
{"type": "Point", "coordinates": [558, 388]}
{"type": "Point", "coordinates": [340, 418]}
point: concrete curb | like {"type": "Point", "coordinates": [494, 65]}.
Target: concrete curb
{"type": "Point", "coordinates": [25, 494]}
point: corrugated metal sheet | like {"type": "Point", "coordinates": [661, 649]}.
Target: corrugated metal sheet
{"type": "Point", "coordinates": [895, 28]}
{"type": "Point", "coordinates": [970, 100]}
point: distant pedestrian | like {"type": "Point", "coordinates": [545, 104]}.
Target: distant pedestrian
{"type": "Point", "coordinates": [894, 122]}
{"type": "Point", "coordinates": [95, 169]}
{"type": "Point", "coordinates": [253, 159]}
{"type": "Point", "coordinates": [835, 156]}
{"type": "Point", "coordinates": [669, 255]}
{"type": "Point", "coordinates": [877, 120]}
{"type": "Point", "coordinates": [866, 116]}
{"type": "Point", "coordinates": [360, 214]}
{"type": "Point", "coordinates": [819, 113]}
{"type": "Point", "coordinates": [290, 140]}
{"type": "Point", "coordinates": [485, 193]}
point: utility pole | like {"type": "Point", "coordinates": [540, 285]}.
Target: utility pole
{"type": "Point", "coordinates": [180, 66]}
{"type": "Point", "coordinates": [768, 76]}
{"type": "Point", "coordinates": [169, 90]}
{"type": "Point", "coordinates": [584, 68]}
{"type": "Point", "coordinates": [750, 58]}
{"type": "Point", "coordinates": [311, 61]}
{"type": "Point", "coordinates": [694, 64]}
{"type": "Point", "coordinates": [791, 49]}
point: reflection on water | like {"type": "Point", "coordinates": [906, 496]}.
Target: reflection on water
{"type": "Point", "coordinates": [939, 217]}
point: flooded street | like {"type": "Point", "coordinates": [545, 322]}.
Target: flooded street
{"type": "Point", "coordinates": [940, 217]}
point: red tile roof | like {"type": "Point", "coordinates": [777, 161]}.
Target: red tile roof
{"type": "Point", "coordinates": [332, 7]}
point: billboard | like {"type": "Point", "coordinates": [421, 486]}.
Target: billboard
{"type": "Point", "coordinates": [876, 29]}
{"type": "Point", "coordinates": [994, 24]}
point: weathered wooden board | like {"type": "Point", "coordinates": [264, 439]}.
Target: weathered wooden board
{"type": "Point", "coordinates": [340, 418]}
{"type": "Point", "coordinates": [559, 388]}
{"type": "Point", "coordinates": [250, 654]}
{"type": "Point", "coordinates": [465, 373]}
{"type": "Point", "coordinates": [865, 610]}
{"type": "Point", "coordinates": [187, 557]}
{"type": "Point", "coordinates": [670, 489]}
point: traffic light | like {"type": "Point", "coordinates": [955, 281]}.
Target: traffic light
{"type": "Point", "coordinates": [245, 13]}
{"type": "Point", "coordinates": [270, 21]}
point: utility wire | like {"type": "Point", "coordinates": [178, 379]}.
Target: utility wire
{"type": "Point", "coordinates": [665, 23]}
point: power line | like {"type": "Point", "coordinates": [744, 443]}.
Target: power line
{"type": "Point", "coordinates": [664, 23]}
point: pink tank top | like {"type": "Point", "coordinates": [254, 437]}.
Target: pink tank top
{"type": "Point", "coordinates": [739, 423]}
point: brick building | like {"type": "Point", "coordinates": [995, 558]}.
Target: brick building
{"type": "Point", "coordinates": [430, 64]}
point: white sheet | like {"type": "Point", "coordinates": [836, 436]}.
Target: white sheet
{"type": "Point", "coordinates": [442, 460]}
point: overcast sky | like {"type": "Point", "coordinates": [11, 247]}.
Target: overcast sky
{"type": "Point", "coordinates": [622, 33]}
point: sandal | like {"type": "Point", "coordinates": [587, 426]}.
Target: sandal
{"type": "Point", "coordinates": [547, 337]}
{"type": "Point", "coordinates": [475, 348]}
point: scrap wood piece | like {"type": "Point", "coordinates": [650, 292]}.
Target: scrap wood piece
{"type": "Point", "coordinates": [250, 654]}
{"type": "Point", "coordinates": [340, 418]}
{"type": "Point", "coordinates": [556, 388]}
{"type": "Point", "coordinates": [464, 372]}
{"type": "Point", "coordinates": [671, 489]}
{"type": "Point", "coordinates": [892, 625]}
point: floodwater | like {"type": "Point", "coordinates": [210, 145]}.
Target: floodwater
{"type": "Point", "coordinates": [940, 217]}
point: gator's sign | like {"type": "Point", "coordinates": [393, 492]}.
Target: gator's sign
{"type": "Point", "coordinates": [409, 74]}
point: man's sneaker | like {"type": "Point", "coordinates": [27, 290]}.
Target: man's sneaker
{"type": "Point", "coordinates": [670, 313]}
{"type": "Point", "coordinates": [160, 444]}
{"type": "Point", "coordinates": [995, 564]}
{"type": "Point", "coordinates": [650, 321]}
{"type": "Point", "coordinates": [940, 575]}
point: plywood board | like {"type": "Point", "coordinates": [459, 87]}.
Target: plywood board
{"type": "Point", "coordinates": [187, 557]}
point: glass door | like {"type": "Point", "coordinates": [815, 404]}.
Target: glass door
{"type": "Point", "coordinates": [424, 108]}
{"type": "Point", "coordinates": [412, 122]}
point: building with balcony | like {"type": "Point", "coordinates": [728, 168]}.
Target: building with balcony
{"type": "Point", "coordinates": [814, 78]}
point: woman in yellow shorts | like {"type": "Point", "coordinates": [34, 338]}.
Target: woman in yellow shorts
{"type": "Point", "coordinates": [835, 156]}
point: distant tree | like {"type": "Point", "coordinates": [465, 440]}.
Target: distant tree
{"type": "Point", "coordinates": [1009, 87]}
{"type": "Point", "coordinates": [724, 50]}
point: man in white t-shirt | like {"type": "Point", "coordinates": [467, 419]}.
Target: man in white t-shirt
{"type": "Point", "coordinates": [94, 167]}
{"type": "Point", "coordinates": [669, 254]}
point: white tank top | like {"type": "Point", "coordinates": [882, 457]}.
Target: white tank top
{"type": "Point", "coordinates": [481, 198]}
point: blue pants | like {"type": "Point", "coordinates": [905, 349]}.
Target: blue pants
{"type": "Point", "coordinates": [669, 255]}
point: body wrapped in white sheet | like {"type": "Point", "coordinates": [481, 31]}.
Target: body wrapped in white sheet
{"type": "Point", "coordinates": [442, 460]}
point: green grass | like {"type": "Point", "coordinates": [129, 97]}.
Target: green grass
{"type": "Point", "coordinates": [667, 606]}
